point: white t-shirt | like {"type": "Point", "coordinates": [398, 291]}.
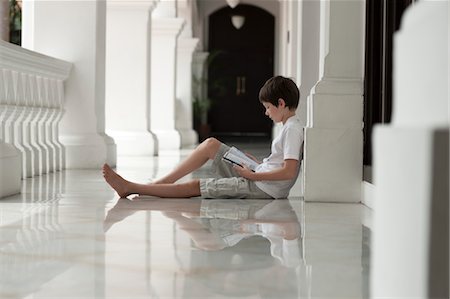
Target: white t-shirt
{"type": "Point", "coordinates": [287, 145]}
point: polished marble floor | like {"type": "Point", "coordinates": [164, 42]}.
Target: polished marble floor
{"type": "Point", "coordinates": [69, 236]}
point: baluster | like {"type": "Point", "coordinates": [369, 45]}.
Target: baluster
{"type": "Point", "coordinates": [18, 121]}
{"type": "Point", "coordinates": [10, 107]}
{"type": "Point", "coordinates": [27, 115]}
{"type": "Point", "coordinates": [34, 128]}
{"type": "Point", "coordinates": [30, 126]}
{"type": "Point", "coordinates": [53, 94]}
{"type": "Point", "coordinates": [46, 125]}
{"type": "Point", "coordinates": [41, 124]}
{"type": "Point", "coordinates": [60, 104]}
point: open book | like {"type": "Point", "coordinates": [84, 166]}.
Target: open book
{"type": "Point", "coordinates": [235, 156]}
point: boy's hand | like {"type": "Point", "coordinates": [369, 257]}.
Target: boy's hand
{"type": "Point", "coordinates": [244, 171]}
{"type": "Point", "coordinates": [252, 157]}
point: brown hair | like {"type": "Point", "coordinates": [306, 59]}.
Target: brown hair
{"type": "Point", "coordinates": [280, 87]}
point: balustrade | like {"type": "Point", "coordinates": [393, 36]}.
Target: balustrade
{"type": "Point", "coordinates": [31, 107]}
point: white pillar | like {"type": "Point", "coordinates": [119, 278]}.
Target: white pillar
{"type": "Point", "coordinates": [184, 123]}
{"type": "Point", "coordinates": [75, 32]}
{"type": "Point", "coordinates": [163, 82]}
{"type": "Point", "coordinates": [128, 77]}
{"type": "Point", "coordinates": [411, 164]}
{"type": "Point", "coordinates": [333, 135]}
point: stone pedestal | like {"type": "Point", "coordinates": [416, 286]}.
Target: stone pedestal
{"type": "Point", "coordinates": [128, 77]}
{"type": "Point", "coordinates": [75, 32]}
{"type": "Point", "coordinates": [184, 115]}
{"type": "Point", "coordinates": [333, 135]}
{"type": "Point", "coordinates": [163, 81]}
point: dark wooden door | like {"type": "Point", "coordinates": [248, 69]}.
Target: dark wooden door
{"type": "Point", "coordinates": [243, 62]}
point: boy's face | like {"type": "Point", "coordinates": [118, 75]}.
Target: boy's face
{"type": "Point", "coordinates": [273, 112]}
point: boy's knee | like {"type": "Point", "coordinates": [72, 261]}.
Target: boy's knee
{"type": "Point", "coordinates": [211, 141]}
{"type": "Point", "coordinates": [211, 145]}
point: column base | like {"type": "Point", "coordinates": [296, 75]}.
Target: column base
{"type": "Point", "coordinates": [89, 151]}
{"type": "Point", "coordinates": [138, 143]}
{"type": "Point", "coordinates": [168, 139]}
{"type": "Point", "coordinates": [188, 137]}
{"type": "Point", "coordinates": [332, 165]}
{"type": "Point", "coordinates": [10, 170]}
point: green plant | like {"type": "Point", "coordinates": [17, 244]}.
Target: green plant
{"type": "Point", "coordinates": [15, 22]}
{"type": "Point", "coordinates": [202, 103]}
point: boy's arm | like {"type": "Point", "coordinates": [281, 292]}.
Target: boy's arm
{"type": "Point", "coordinates": [287, 172]}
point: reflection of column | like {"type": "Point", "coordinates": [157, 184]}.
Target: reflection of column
{"type": "Point", "coordinates": [163, 81]}
{"type": "Point", "coordinates": [333, 135]}
{"type": "Point", "coordinates": [332, 250]}
{"type": "Point", "coordinates": [411, 164]}
{"type": "Point", "coordinates": [128, 77]}
{"type": "Point", "coordinates": [184, 123]}
{"type": "Point", "coordinates": [54, 28]}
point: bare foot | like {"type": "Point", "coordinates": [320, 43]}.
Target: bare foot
{"type": "Point", "coordinates": [116, 181]}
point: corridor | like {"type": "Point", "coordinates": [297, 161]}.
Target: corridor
{"type": "Point", "coordinates": [69, 236]}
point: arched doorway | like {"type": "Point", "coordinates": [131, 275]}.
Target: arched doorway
{"type": "Point", "coordinates": [244, 60]}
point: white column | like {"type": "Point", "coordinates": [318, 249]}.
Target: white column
{"type": "Point", "coordinates": [163, 82]}
{"type": "Point", "coordinates": [75, 31]}
{"type": "Point", "coordinates": [410, 244]}
{"type": "Point", "coordinates": [128, 77]}
{"type": "Point", "coordinates": [184, 116]}
{"type": "Point", "coordinates": [333, 136]}
{"type": "Point", "coordinates": [308, 52]}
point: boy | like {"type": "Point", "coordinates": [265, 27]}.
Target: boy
{"type": "Point", "coordinates": [273, 178]}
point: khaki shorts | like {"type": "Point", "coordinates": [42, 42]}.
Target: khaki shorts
{"type": "Point", "coordinates": [229, 184]}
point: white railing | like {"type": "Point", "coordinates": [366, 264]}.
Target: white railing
{"type": "Point", "coordinates": [31, 106]}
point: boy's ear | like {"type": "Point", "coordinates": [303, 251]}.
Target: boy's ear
{"type": "Point", "coordinates": [281, 103]}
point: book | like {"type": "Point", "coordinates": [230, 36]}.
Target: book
{"type": "Point", "coordinates": [236, 157]}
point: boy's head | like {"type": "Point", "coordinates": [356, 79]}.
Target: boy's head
{"type": "Point", "coordinates": [280, 88]}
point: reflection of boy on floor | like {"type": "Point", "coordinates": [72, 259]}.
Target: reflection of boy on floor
{"type": "Point", "coordinates": [273, 178]}
{"type": "Point", "coordinates": [216, 224]}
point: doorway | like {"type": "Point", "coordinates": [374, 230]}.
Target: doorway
{"type": "Point", "coordinates": [383, 19]}
{"type": "Point", "coordinates": [243, 61]}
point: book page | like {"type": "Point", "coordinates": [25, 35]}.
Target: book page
{"type": "Point", "coordinates": [237, 157]}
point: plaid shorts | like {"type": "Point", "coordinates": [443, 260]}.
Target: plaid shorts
{"type": "Point", "coordinates": [229, 184]}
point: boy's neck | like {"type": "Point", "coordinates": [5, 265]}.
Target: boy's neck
{"type": "Point", "coordinates": [288, 115]}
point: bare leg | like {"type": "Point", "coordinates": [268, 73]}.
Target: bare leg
{"type": "Point", "coordinates": [205, 151]}
{"type": "Point", "coordinates": [125, 188]}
